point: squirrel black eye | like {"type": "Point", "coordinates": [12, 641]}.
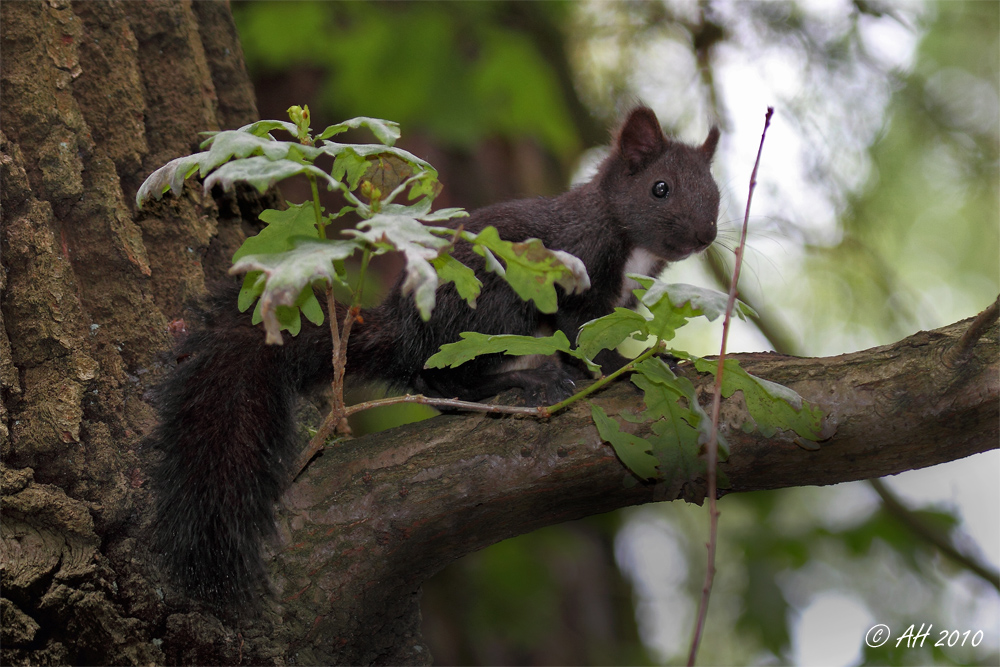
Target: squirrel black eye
{"type": "Point", "coordinates": [660, 189]}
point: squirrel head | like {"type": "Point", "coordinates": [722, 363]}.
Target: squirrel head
{"type": "Point", "coordinates": [661, 190]}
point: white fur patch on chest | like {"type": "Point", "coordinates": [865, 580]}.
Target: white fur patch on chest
{"type": "Point", "coordinates": [640, 261]}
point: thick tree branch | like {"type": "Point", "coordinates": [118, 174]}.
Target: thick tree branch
{"type": "Point", "coordinates": [374, 517]}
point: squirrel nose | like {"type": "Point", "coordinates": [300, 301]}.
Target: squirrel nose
{"type": "Point", "coordinates": [706, 237]}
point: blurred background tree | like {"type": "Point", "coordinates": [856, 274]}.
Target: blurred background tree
{"type": "Point", "coordinates": [876, 216]}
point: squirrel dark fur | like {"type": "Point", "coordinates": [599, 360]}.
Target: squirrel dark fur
{"type": "Point", "coordinates": [225, 428]}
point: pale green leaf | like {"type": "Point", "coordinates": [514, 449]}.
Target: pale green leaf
{"type": "Point", "coordinates": [385, 131]}
{"type": "Point", "coordinates": [445, 214]}
{"type": "Point", "coordinates": [370, 150]}
{"type": "Point", "coordinates": [235, 144]}
{"type": "Point", "coordinates": [421, 280]}
{"type": "Point", "coordinates": [703, 301]}
{"type": "Point", "coordinates": [170, 176]}
{"type": "Point", "coordinates": [262, 173]}
{"type": "Point", "coordinates": [289, 273]}
{"type": "Point", "coordinates": [262, 128]}
{"type": "Point", "coordinates": [419, 245]}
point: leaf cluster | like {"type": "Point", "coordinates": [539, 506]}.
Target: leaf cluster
{"type": "Point", "coordinates": [292, 255]}
{"type": "Point", "coordinates": [680, 427]}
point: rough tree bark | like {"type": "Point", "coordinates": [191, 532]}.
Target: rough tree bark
{"type": "Point", "coordinates": [95, 96]}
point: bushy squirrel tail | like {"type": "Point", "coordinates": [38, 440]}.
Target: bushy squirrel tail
{"type": "Point", "coordinates": [226, 445]}
{"type": "Point", "coordinates": [227, 450]}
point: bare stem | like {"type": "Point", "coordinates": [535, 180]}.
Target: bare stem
{"type": "Point", "coordinates": [541, 411]}
{"type": "Point", "coordinates": [713, 441]}
{"type": "Point", "coordinates": [317, 209]}
{"type": "Point", "coordinates": [336, 415]}
{"type": "Point", "coordinates": [447, 403]}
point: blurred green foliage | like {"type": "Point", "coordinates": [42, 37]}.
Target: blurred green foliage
{"type": "Point", "coordinates": [459, 71]}
{"type": "Point", "coordinates": [921, 243]}
{"type": "Point", "coordinates": [541, 598]}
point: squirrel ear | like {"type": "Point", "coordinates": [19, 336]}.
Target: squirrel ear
{"type": "Point", "coordinates": [641, 139]}
{"type": "Point", "coordinates": [708, 148]}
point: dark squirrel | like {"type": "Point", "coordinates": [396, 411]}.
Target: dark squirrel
{"type": "Point", "coordinates": [225, 428]}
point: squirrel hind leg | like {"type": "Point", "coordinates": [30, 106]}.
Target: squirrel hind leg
{"type": "Point", "coordinates": [545, 384]}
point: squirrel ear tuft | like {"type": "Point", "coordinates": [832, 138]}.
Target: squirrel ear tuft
{"type": "Point", "coordinates": [640, 138]}
{"type": "Point", "coordinates": [708, 148]}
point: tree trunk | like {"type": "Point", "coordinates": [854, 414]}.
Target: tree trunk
{"type": "Point", "coordinates": [97, 95]}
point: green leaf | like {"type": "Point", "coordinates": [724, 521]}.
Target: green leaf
{"type": "Point", "coordinates": [609, 331]}
{"type": "Point", "coordinates": [425, 184]}
{"type": "Point", "coordinates": [262, 173]}
{"type": "Point", "coordinates": [283, 228]}
{"type": "Point", "coordinates": [288, 318]}
{"type": "Point", "coordinates": [253, 287]}
{"type": "Point", "coordinates": [653, 374]}
{"type": "Point", "coordinates": [450, 269]}
{"type": "Point", "coordinates": [772, 406]}
{"type": "Point", "coordinates": [349, 167]}
{"type": "Point", "coordinates": [385, 131]}
{"type": "Point", "coordinates": [634, 452]}
{"type": "Point", "coordinates": [679, 429]}
{"type": "Point", "coordinates": [473, 344]}
{"type": "Point", "coordinates": [297, 220]}
{"type": "Point", "coordinates": [310, 306]}
{"type": "Point", "coordinates": [677, 447]}
{"type": "Point", "coordinates": [289, 273]}
{"type": "Point", "coordinates": [666, 315]}
{"type": "Point", "coordinates": [531, 269]}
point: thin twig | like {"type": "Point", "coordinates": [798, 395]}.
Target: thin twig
{"type": "Point", "coordinates": [599, 384]}
{"type": "Point", "coordinates": [894, 506]}
{"type": "Point", "coordinates": [336, 414]}
{"type": "Point", "coordinates": [541, 411]}
{"type": "Point", "coordinates": [959, 352]}
{"type": "Point", "coordinates": [453, 403]}
{"type": "Point", "coordinates": [712, 447]}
